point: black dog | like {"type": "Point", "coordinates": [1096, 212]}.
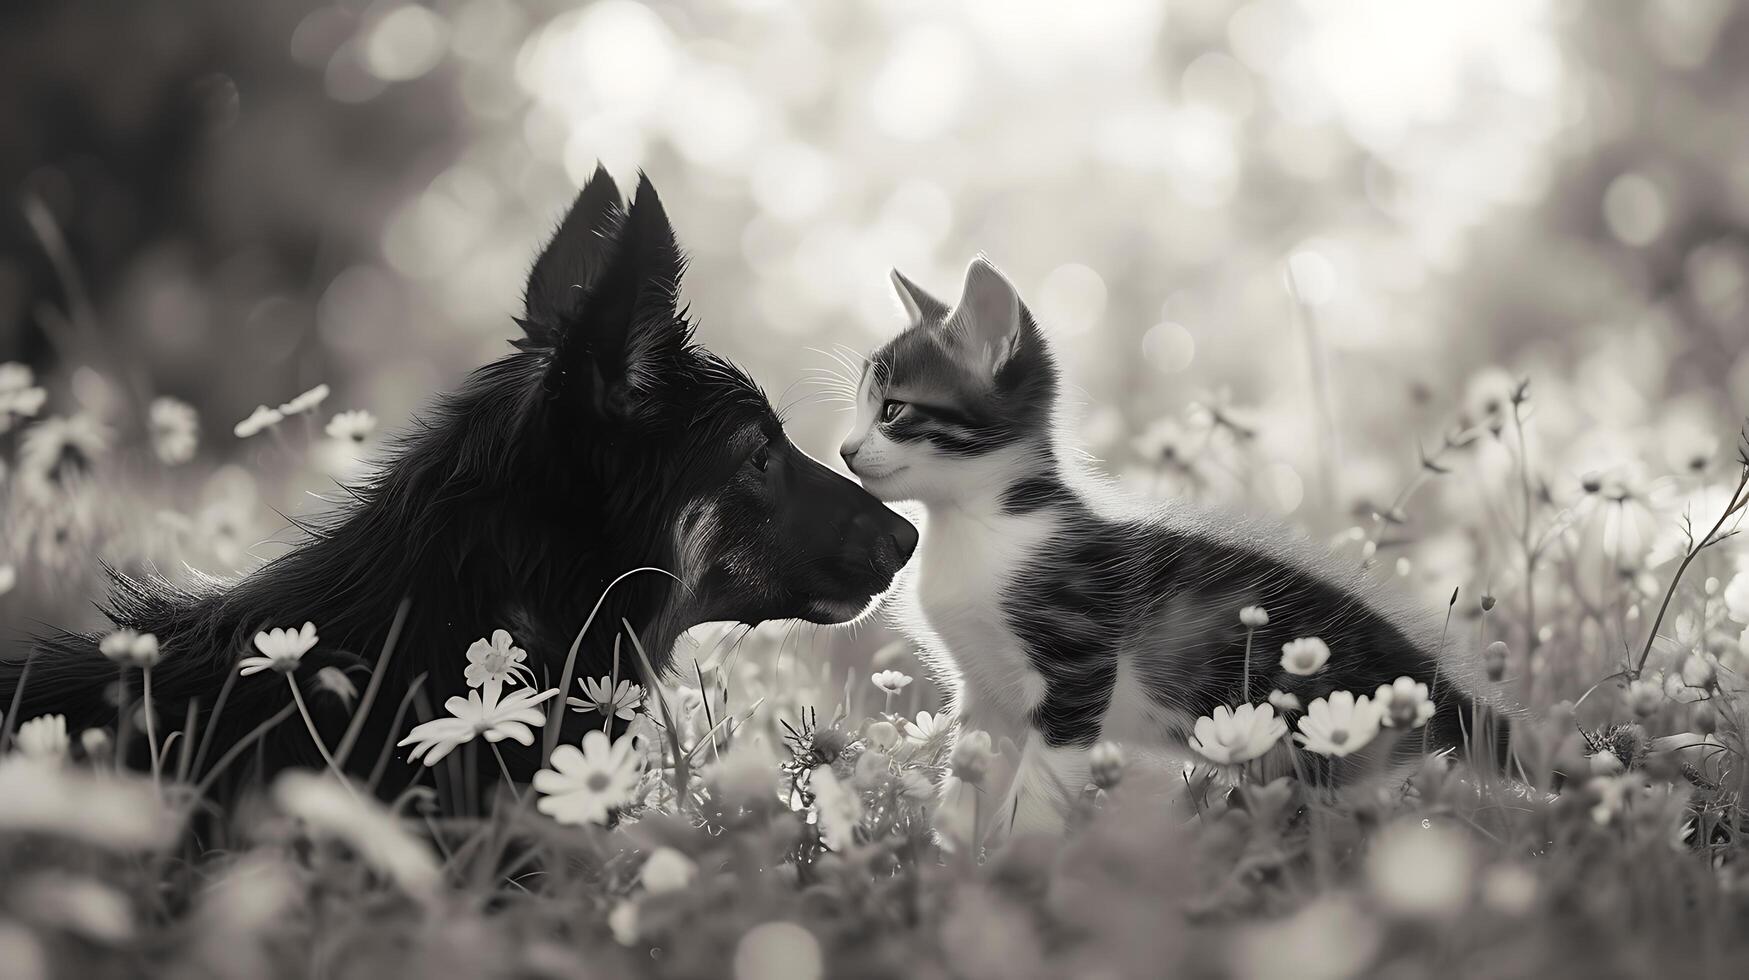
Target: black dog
{"type": "Point", "coordinates": [608, 441]}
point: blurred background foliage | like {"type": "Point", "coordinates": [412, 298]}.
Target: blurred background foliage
{"type": "Point", "coordinates": [1327, 230]}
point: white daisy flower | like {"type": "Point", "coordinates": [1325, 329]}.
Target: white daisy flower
{"type": "Point", "coordinates": [603, 696]}
{"type": "Point", "coordinates": [1285, 701]}
{"type": "Point", "coordinates": [131, 648]}
{"type": "Point", "coordinates": [497, 661]}
{"type": "Point", "coordinates": [356, 425]}
{"type": "Point", "coordinates": [1304, 656]}
{"type": "Point", "coordinates": [585, 784]}
{"type": "Point", "coordinates": [837, 808]}
{"type": "Point", "coordinates": [19, 395]}
{"type": "Point", "coordinates": [1253, 617]}
{"type": "Point", "coordinates": [1404, 703]}
{"type": "Point", "coordinates": [928, 727]}
{"type": "Point", "coordinates": [43, 737]}
{"type": "Point", "coordinates": [891, 681]}
{"type": "Point", "coordinates": [60, 443]}
{"type": "Point", "coordinates": [1234, 736]}
{"type": "Point", "coordinates": [513, 717]}
{"type": "Point", "coordinates": [305, 402]}
{"type": "Point", "coordinates": [175, 430]}
{"type": "Point", "coordinates": [259, 420]}
{"type": "Point", "coordinates": [1339, 724]}
{"type": "Point", "coordinates": [281, 649]}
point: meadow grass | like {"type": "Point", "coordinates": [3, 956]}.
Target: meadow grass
{"type": "Point", "coordinates": [770, 816]}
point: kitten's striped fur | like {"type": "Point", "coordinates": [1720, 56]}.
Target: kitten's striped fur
{"type": "Point", "coordinates": [1065, 619]}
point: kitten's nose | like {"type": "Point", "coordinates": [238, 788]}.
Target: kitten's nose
{"type": "Point", "coordinates": [847, 452]}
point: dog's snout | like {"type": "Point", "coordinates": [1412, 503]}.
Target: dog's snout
{"type": "Point", "coordinates": [904, 538]}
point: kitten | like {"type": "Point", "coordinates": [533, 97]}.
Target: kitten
{"type": "Point", "coordinates": [1065, 622]}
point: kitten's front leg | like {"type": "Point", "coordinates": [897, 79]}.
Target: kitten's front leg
{"type": "Point", "coordinates": [1047, 784]}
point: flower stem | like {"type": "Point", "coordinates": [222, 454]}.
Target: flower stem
{"type": "Point", "coordinates": [151, 728]}
{"type": "Point", "coordinates": [1245, 673]}
{"type": "Point", "coordinates": [310, 723]}
{"type": "Point", "coordinates": [509, 783]}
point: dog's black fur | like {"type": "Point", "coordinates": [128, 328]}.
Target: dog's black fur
{"type": "Point", "coordinates": [608, 441]}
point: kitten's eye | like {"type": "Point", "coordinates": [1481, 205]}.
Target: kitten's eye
{"type": "Point", "coordinates": [891, 410]}
{"type": "Point", "coordinates": [761, 457]}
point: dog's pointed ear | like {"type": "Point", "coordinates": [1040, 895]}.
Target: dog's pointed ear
{"type": "Point", "coordinates": [614, 351]}
{"type": "Point", "coordinates": [987, 318]}
{"type": "Point", "coordinates": [572, 259]}
{"type": "Point", "coordinates": [919, 305]}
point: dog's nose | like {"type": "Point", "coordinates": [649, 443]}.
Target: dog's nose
{"type": "Point", "coordinates": [904, 538]}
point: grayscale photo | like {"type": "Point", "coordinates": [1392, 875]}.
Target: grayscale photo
{"type": "Point", "coordinates": [941, 489]}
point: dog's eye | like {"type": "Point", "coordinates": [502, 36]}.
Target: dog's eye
{"type": "Point", "coordinates": [891, 410]}
{"type": "Point", "coordinates": [761, 457]}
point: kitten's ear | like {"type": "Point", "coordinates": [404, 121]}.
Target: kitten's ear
{"type": "Point", "coordinates": [613, 352]}
{"type": "Point", "coordinates": [572, 259]}
{"type": "Point", "coordinates": [919, 305]}
{"type": "Point", "coordinates": [988, 316]}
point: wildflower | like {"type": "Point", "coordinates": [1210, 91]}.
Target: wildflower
{"type": "Point", "coordinates": [778, 949]}
{"type": "Point", "coordinates": [1404, 703]}
{"type": "Point", "coordinates": [1285, 701]}
{"type": "Point", "coordinates": [175, 430]}
{"type": "Point", "coordinates": [836, 807]}
{"type": "Point", "coordinates": [497, 719]}
{"type": "Point", "coordinates": [603, 696]}
{"type": "Point", "coordinates": [260, 419]}
{"type": "Point", "coordinates": [281, 649]}
{"type": "Point", "coordinates": [1700, 670]}
{"type": "Point", "coordinates": [1606, 763]}
{"type": "Point", "coordinates": [117, 814]}
{"type": "Point", "coordinates": [19, 394]}
{"type": "Point", "coordinates": [8, 578]}
{"type": "Point", "coordinates": [1509, 889]}
{"type": "Point", "coordinates": [928, 727]}
{"type": "Point", "coordinates": [95, 742]}
{"type": "Point", "coordinates": [130, 648]}
{"type": "Point", "coordinates": [623, 923]}
{"type": "Point", "coordinates": [497, 660]}
{"type": "Point", "coordinates": [586, 783]}
{"type": "Point", "coordinates": [329, 809]}
{"type": "Point", "coordinates": [1611, 793]}
{"type": "Point", "coordinates": [1305, 656]}
{"type": "Point", "coordinates": [43, 737]}
{"type": "Point", "coordinates": [891, 681]}
{"type": "Point", "coordinates": [1254, 617]}
{"type": "Point", "coordinates": [335, 682]}
{"type": "Point", "coordinates": [1487, 602]}
{"type": "Point", "coordinates": [356, 425]}
{"type": "Point", "coordinates": [1231, 737]}
{"type": "Point", "coordinates": [59, 444]}
{"type": "Point", "coordinates": [1105, 762]}
{"type": "Point", "coordinates": [1494, 660]}
{"type": "Point", "coordinates": [305, 402]}
{"type": "Point", "coordinates": [972, 756]}
{"type": "Point", "coordinates": [1645, 697]}
{"type": "Point", "coordinates": [1421, 871]}
{"type": "Point", "coordinates": [882, 736]}
{"type": "Point", "coordinates": [1339, 724]}
{"type": "Point", "coordinates": [1737, 596]}
{"type": "Point", "coordinates": [667, 870]}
